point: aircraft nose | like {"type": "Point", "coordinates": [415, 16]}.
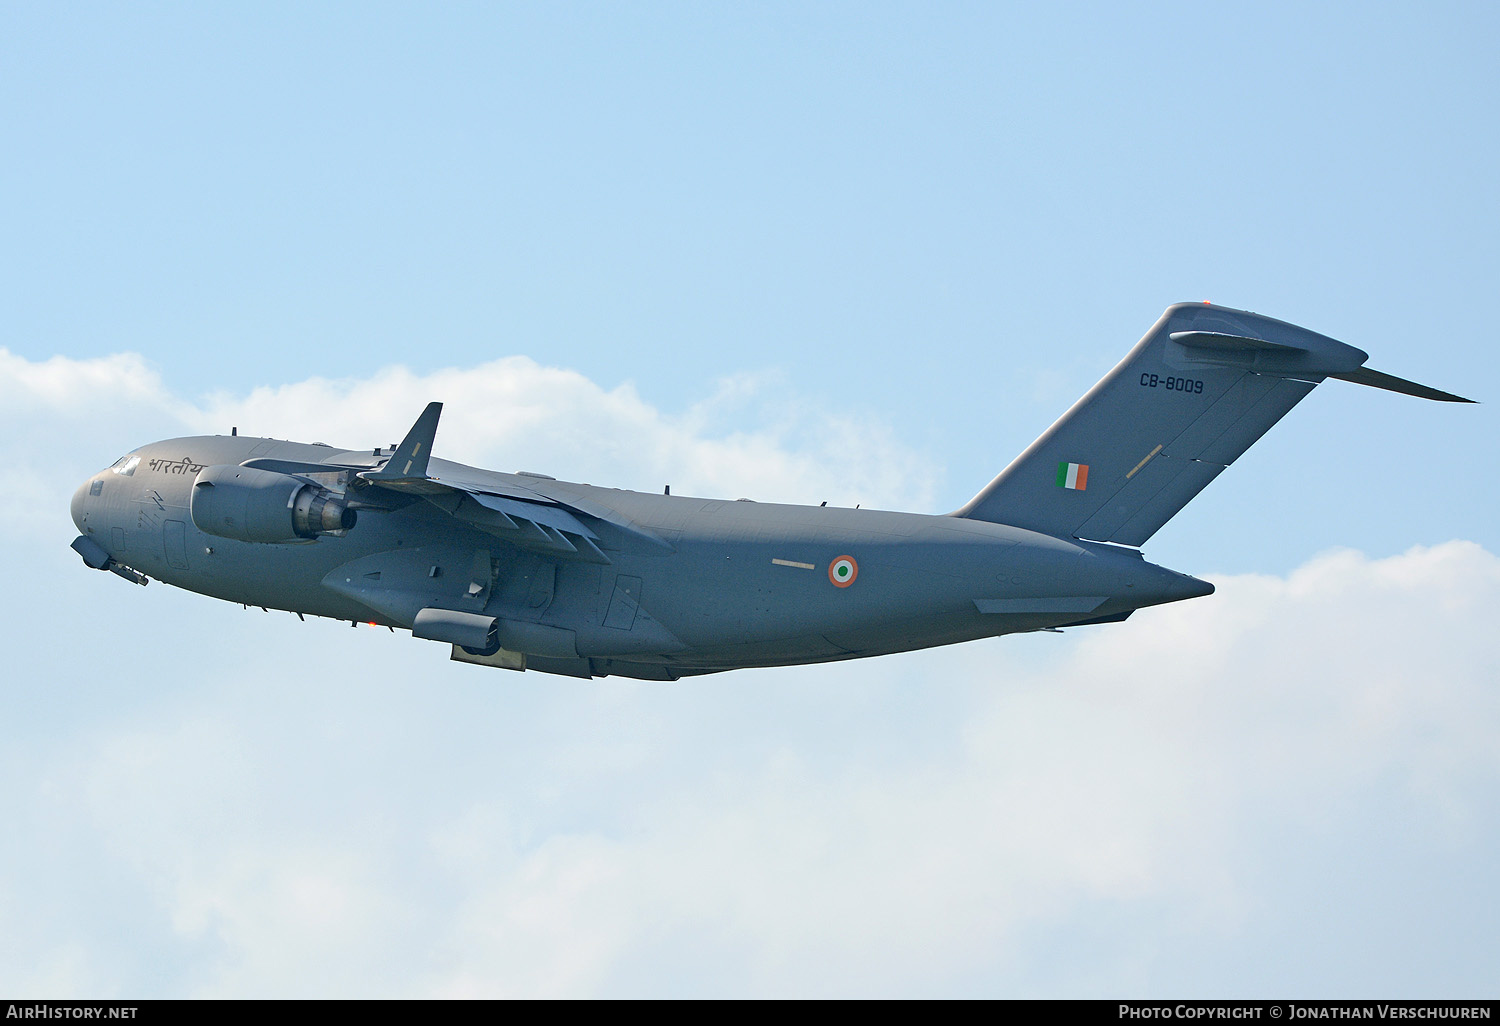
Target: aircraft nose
{"type": "Point", "coordinates": [80, 500]}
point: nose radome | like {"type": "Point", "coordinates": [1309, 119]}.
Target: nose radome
{"type": "Point", "coordinates": [80, 497]}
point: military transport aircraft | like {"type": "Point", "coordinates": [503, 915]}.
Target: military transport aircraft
{"type": "Point", "coordinates": [527, 572]}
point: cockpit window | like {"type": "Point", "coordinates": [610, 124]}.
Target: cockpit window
{"type": "Point", "coordinates": [125, 465]}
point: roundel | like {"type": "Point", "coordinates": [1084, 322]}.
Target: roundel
{"type": "Point", "coordinates": [843, 571]}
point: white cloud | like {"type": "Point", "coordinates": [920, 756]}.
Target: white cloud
{"type": "Point", "coordinates": [516, 414]}
{"type": "Point", "coordinates": [770, 833]}
{"type": "Point", "coordinates": [751, 438]}
{"type": "Point", "coordinates": [67, 385]}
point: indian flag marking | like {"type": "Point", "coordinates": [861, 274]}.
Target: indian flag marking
{"type": "Point", "coordinates": [843, 571]}
{"type": "Point", "coordinates": [1073, 475]}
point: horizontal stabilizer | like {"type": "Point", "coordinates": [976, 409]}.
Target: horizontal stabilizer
{"type": "Point", "coordinates": [1230, 343]}
{"type": "Point", "coordinates": [1391, 383]}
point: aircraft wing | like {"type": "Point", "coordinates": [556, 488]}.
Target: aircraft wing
{"type": "Point", "coordinates": [524, 517]}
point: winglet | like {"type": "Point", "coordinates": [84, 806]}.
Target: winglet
{"type": "Point", "coordinates": [409, 461]}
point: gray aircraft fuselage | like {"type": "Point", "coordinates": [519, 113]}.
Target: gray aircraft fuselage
{"type": "Point", "coordinates": [523, 571]}
{"type": "Point", "coordinates": [729, 584]}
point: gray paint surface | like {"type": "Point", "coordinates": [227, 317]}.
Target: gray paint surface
{"type": "Point", "coordinates": [524, 571]}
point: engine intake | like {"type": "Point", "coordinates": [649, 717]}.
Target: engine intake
{"type": "Point", "coordinates": [252, 505]}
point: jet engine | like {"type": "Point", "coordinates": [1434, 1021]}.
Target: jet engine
{"type": "Point", "coordinates": [262, 506]}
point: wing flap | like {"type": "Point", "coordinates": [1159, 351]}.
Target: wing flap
{"type": "Point", "coordinates": [554, 517]}
{"type": "Point", "coordinates": [548, 529]}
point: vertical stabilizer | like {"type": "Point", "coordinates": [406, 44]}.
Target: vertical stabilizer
{"type": "Point", "coordinates": [1194, 394]}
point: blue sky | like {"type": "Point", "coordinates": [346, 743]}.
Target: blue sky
{"type": "Point", "coordinates": [863, 252]}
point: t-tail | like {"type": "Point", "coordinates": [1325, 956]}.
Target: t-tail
{"type": "Point", "coordinates": [1194, 394]}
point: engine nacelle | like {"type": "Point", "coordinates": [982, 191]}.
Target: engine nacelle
{"type": "Point", "coordinates": [262, 506]}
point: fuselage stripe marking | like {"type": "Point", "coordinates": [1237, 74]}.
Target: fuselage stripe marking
{"type": "Point", "coordinates": [1149, 456]}
{"type": "Point", "coordinates": [799, 566]}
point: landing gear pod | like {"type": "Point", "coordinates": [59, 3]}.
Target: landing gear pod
{"type": "Point", "coordinates": [472, 632]}
{"type": "Point", "coordinates": [252, 505]}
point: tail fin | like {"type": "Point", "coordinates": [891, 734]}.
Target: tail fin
{"type": "Point", "coordinates": [1194, 394]}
